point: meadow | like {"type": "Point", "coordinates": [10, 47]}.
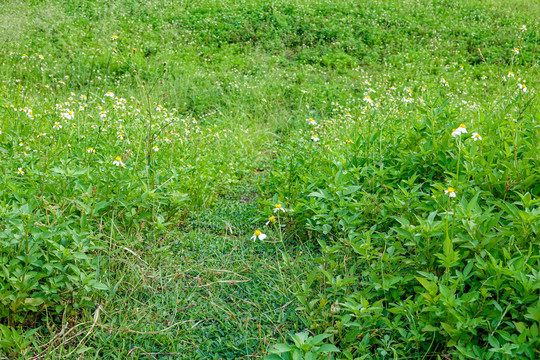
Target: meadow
{"type": "Point", "coordinates": [277, 180]}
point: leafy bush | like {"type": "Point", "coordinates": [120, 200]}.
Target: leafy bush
{"type": "Point", "coordinates": [43, 265]}
{"type": "Point", "coordinates": [405, 267]}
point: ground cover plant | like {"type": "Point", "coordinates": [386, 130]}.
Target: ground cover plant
{"type": "Point", "coordinates": [283, 180]}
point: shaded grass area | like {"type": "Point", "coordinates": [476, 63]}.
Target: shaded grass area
{"type": "Point", "coordinates": [200, 293]}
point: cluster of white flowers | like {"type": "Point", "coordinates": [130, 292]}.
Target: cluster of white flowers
{"type": "Point", "coordinates": [278, 208]}
{"type": "Point", "coordinates": [460, 130]}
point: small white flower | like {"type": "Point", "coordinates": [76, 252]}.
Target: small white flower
{"type": "Point", "coordinates": [510, 74]}
{"type": "Point", "coordinates": [516, 51]}
{"type": "Point", "coordinates": [476, 136]}
{"type": "Point", "coordinates": [68, 114]}
{"type": "Point", "coordinates": [462, 129]}
{"type": "Point", "coordinates": [155, 148]}
{"type": "Point", "coordinates": [278, 207]}
{"type": "Point", "coordinates": [109, 94]}
{"type": "Point", "coordinates": [271, 220]}
{"type": "Point", "coordinates": [114, 37]}
{"type": "Point", "coordinates": [450, 192]}
{"type": "Point", "coordinates": [57, 126]}
{"type": "Point", "coordinates": [311, 121]}
{"type": "Point", "coordinates": [91, 150]}
{"type": "Point", "coordinates": [455, 132]}
{"type": "Point", "coordinates": [118, 161]}
{"type": "Point", "coordinates": [523, 28]}
{"type": "Point", "coordinates": [41, 56]}
{"type": "Point", "coordinates": [315, 138]}
{"type": "Point", "coordinates": [368, 99]}
{"type": "Point", "coordinates": [522, 87]}
{"type": "Point", "coordinates": [258, 235]}
{"type": "Point", "coordinates": [20, 171]}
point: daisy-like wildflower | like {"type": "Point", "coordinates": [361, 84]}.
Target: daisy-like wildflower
{"type": "Point", "coordinates": [41, 56]}
{"type": "Point", "coordinates": [476, 136]}
{"type": "Point", "coordinates": [114, 37]}
{"type": "Point", "coordinates": [20, 171]}
{"type": "Point", "coordinates": [523, 28]}
{"type": "Point", "coordinates": [462, 129]}
{"type": "Point", "coordinates": [455, 132]}
{"type": "Point", "coordinates": [68, 114]}
{"type": "Point", "coordinates": [368, 99]}
{"type": "Point", "coordinates": [510, 74]}
{"type": "Point", "coordinates": [278, 207]}
{"type": "Point", "coordinates": [118, 161]}
{"type": "Point", "coordinates": [450, 192]}
{"type": "Point", "coordinates": [24, 56]}
{"type": "Point", "coordinates": [0, 131]}
{"type": "Point", "coordinates": [408, 100]}
{"type": "Point", "coordinates": [271, 220]}
{"type": "Point", "coordinates": [57, 126]}
{"type": "Point", "coordinates": [311, 121]}
{"type": "Point", "coordinates": [155, 148]}
{"type": "Point", "coordinates": [516, 51]}
{"type": "Point", "coordinates": [91, 150]}
{"type": "Point", "coordinates": [522, 87]}
{"type": "Point", "coordinates": [315, 137]}
{"type": "Point", "coordinates": [109, 94]}
{"type": "Point", "coordinates": [258, 235]}
{"type": "Point", "coordinates": [484, 77]}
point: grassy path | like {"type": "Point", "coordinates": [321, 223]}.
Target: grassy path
{"type": "Point", "coordinates": [204, 292]}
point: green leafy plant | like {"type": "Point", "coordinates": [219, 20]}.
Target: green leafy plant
{"type": "Point", "coordinates": [305, 347]}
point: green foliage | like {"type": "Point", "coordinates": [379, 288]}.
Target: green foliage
{"type": "Point", "coordinates": [133, 136]}
{"type": "Point", "coordinates": [43, 266]}
{"type": "Point", "coordinates": [404, 267]}
{"type": "Point", "coordinates": [13, 343]}
{"type": "Point", "coordinates": [305, 347]}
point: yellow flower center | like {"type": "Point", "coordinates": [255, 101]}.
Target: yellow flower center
{"type": "Point", "coordinates": [462, 126]}
{"type": "Point", "coordinates": [118, 158]}
{"type": "Point", "coordinates": [278, 206]}
{"type": "Point", "coordinates": [451, 190]}
{"type": "Point", "coordinates": [257, 232]}
{"type": "Point", "coordinates": [271, 219]}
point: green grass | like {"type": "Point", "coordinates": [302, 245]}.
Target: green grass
{"type": "Point", "coordinates": [208, 120]}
